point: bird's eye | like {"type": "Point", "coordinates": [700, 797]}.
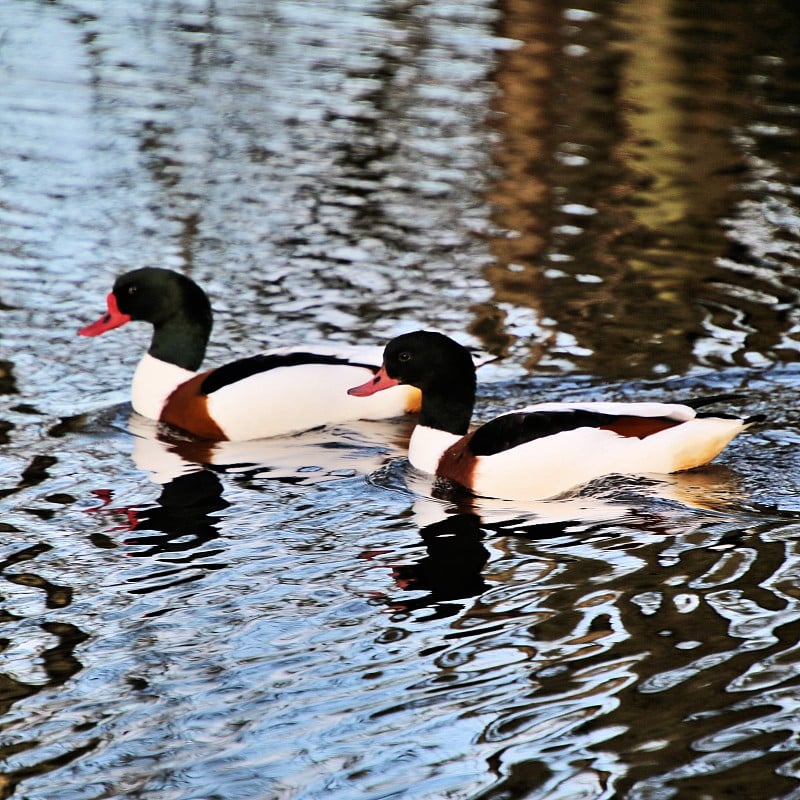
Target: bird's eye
{"type": "Point", "coordinates": [132, 289]}
{"type": "Point", "coordinates": [404, 356]}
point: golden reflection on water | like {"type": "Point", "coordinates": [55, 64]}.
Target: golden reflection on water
{"type": "Point", "coordinates": [620, 173]}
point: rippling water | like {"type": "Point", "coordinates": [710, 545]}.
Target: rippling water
{"type": "Point", "coordinates": [603, 196]}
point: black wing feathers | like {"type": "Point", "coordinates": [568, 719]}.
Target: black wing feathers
{"type": "Point", "coordinates": [510, 430]}
{"type": "Point", "coordinates": [245, 367]}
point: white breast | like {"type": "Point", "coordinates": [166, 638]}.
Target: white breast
{"type": "Point", "coordinates": [153, 382]}
{"type": "Point", "coordinates": [426, 446]}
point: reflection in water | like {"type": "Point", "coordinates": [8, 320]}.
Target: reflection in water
{"type": "Point", "coordinates": [183, 521]}
{"type": "Point", "coordinates": [186, 517]}
{"type": "Point", "coordinates": [456, 555]}
{"type": "Point", "coordinates": [8, 384]}
{"type": "Point", "coordinates": [666, 653]}
{"type": "Point", "coordinates": [624, 618]}
{"type": "Point", "coordinates": [453, 524]}
{"type": "Point", "coordinates": [23, 653]}
{"type": "Point", "coordinates": [450, 570]}
{"type": "Point", "coordinates": [647, 186]}
{"type": "Point", "coordinates": [184, 513]}
{"type": "Point", "coordinates": [603, 649]}
{"type": "Point", "coordinates": [325, 453]}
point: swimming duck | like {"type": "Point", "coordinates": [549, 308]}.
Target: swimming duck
{"type": "Point", "coordinates": [272, 393]}
{"type": "Point", "coordinates": [540, 451]}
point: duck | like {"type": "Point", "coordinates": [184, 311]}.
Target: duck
{"type": "Point", "coordinates": [272, 393]}
{"type": "Point", "coordinates": [545, 450]}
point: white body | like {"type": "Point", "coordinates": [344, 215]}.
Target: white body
{"type": "Point", "coordinates": [551, 465]}
{"type": "Point", "coordinates": [282, 400]}
{"type": "Point", "coordinates": [153, 382]}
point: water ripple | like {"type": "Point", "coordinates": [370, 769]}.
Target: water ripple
{"type": "Point", "coordinates": [613, 211]}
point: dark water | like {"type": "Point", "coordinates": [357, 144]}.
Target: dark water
{"type": "Point", "coordinates": [605, 196]}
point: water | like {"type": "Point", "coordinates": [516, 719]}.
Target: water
{"type": "Point", "coordinates": [605, 196]}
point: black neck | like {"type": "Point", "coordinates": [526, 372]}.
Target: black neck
{"type": "Point", "coordinates": [181, 341]}
{"type": "Point", "coordinates": [447, 409]}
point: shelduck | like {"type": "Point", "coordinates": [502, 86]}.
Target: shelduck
{"type": "Point", "coordinates": [543, 450]}
{"type": "Point", "coordinates": [272, 393]}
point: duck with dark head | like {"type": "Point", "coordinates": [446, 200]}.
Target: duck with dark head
{"type": "Point", "coordinates": [539, 451]}
{"type": "Point", "coordinates": [271, 393]}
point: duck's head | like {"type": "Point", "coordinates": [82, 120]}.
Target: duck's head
{"type": "Point", "coordinates": [431, 361]}
{"type": "Point", "coordinates": [175, 305]}
{"type": "Point", "coordinates": [152, 295]}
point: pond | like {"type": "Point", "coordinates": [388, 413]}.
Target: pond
{"type": "Point", "coordinates": [603, 197]}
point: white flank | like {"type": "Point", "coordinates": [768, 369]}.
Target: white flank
{"type": "Point", "coordinates": [153, 382]}
{"type": "Point", "coordinates": [295, 398]}
{"type": "Point", "coordinates": [282, 400]}
{"type": "Point", "coordinates": [550, 466]}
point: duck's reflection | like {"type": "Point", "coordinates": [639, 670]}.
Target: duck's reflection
{"type": "Point", "coordinates": [176, 531]}
{"type": "Point", "coordinates": [455, 528]}
{"type": "Point", "coordinates": [186, 516]}
{"type": "Point", "coordinates": [451, 570]}
{"type": "Point", "coordinates": [183, 518]}
{"type": "Point", "coordinates": [178, 528]}
{"type": "Point", "coordinates": [316, 455]}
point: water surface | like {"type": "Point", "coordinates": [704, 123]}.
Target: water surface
{"type": "Point", "coordinates": [603, 196]}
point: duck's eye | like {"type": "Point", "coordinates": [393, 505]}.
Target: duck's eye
{"type": "Point", "coordinates": [404, 356]}
{"type": "Point", "coordinates": [132, 289]}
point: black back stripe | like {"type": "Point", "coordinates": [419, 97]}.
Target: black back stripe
{"type": "Point", "coordinates": [511, 430]}
{"type": "Point", "coordinates": [254, 365]}
{"type": "Point", "coordinates": [700, 402]}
